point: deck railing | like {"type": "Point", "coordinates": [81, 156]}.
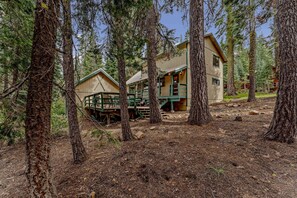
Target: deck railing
{"type": "Point", "coordinates": [107, 100]}
{"type": "Point", "coordinates": [180, 90]}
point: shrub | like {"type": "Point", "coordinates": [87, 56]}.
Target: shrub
{"type": "Point", "coordinates": [59, 125]}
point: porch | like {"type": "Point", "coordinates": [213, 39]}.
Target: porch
{"type": "Point", "coordinates": [172, 90]}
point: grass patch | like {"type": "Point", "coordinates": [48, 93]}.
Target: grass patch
{"type": "Point", "coordinates": [244, 96]}
{"type": "Point", "coordinates": [218, 170]}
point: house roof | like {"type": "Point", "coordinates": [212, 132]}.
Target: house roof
{"type": "Point", "coordinates": [215, 43]}
{"type": "Point", "coordinates": [94, 73]}
{"type": "Point", "coordinates": [217, 46]}
{"type": "Point", "coordinates": [139, 76]}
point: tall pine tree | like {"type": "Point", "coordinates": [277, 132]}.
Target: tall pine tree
{"type": "Point", "coordinates": [199, 110]}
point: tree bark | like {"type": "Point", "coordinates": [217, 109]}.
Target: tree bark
{"type": "Point", "coordinates": [119, 40]}
{"type": "Point", "coordinates": [38, 110]}
{"type": "Point", "coordinates": [199, 111]}
{"type": "Point", "coordinates": [15, 75]}
{"type": "Point", "coordinates": [283, 126]}
{"type": "Point", "coordinates": [231, 90]}
{"type": "Point", "coordinates": [155, 114]}
{"type": "Point", "coordinates": [78, 149]}
{"type": "Point", "coordinates": [252, 54]}
{"type": "Point", "coordinates": [126, 130]}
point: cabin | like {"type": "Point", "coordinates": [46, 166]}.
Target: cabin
{"type": "Point", "coordinates": [174, 77]}
{"type": "Point", "coordinates": [97, 81]}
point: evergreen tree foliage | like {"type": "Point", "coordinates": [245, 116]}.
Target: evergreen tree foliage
{"type": "Point", "coordinates": [16, 25]}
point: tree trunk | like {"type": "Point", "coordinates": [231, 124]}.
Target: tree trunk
{"type": "Point", "coordinates": [276, 41]}
{"type": "Point", "coordinates": [231, 91]}
{"type": "Point", "coordinates": [252, 54]}
{"type": "Point", "coordinates": [126, 130]}
{"type": "Point", "coordinates": [38, 111]}
{"type": "Point", "coordinates": [199, 111]}
{"type": "Point", "coordinates": [15, 77]}
{"type": "Point", "coordinates": [78, 149]}
{"type": "Point", "coordinates": [283, 126]}
{"type": "Point", "coordinates": [155, 114]}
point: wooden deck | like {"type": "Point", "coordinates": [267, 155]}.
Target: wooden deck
{"type": "Point", "coordinates": [105, 106]}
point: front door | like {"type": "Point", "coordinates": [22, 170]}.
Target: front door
{"type": "Point", "coordinates": [175, 84]}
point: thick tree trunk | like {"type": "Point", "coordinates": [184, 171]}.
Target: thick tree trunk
{"type": "Point", "coordinates": [252, 55]}
{"type": "Point", "coordinates": [155, 114]}
{"type": "Point", "coordinates": [126, 130]}
{"type": "Point", "coordinates": [283, 127]}
{"type": "Point", "coordinates": [199, 111]}
{"type": "Point", "coordinates": [78, 149]}
{"type": "Point", "coordinates": [231, 90]}
{"type": "Point", "coordinates": [38, 112]}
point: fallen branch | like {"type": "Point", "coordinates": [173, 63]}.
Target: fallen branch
{"type": "Point", "coordinates": [13, 88]}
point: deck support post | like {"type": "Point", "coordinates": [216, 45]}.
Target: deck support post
{"type": "Point", "coordinates": [172, 107]}
{"type": "Point", "coordinates": [108, 119]}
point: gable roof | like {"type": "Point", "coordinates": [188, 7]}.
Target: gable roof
{"type": "Point", "coordinates": [139, 76]}
{"type": "Point", "coordinates": [214, 42]}
{"type": "Point", "coordinates": [94, 73]}
{"type": "Point", "coordinates": [217, 46]}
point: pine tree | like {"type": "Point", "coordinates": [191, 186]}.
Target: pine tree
{"type": "Point", "coordinates": [124, 20]}
{"type": "Point", "coordinates": [252, 53]}
{"type": "Point", "coordinates": [230, 51]}
{"type": "Point", "coordinates": [38, 114]}
{"type": "Point", "coordinates": [283, 126]}
{"type": "Point", "coordinates": [151, 27]}
{"type": "Point", "coordinates": [78, 150]}
{"type": "Point", "coordinates": [199, 111]}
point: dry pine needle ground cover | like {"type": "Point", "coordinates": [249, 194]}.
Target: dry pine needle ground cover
{"type": "Point", "coordinates": [225, 159]}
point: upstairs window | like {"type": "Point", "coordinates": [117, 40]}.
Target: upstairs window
{"type": "Point", "coordinates": [216, 81]}
{"type": "Point", "coordinates": [216, 61]}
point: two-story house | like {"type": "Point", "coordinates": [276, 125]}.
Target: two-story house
{"type": "Point", "coordinates": [174, 79]}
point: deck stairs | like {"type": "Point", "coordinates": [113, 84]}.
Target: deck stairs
{"type": "Point", "coordinates": [145, 112]}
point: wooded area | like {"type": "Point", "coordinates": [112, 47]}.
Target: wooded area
{"type": "Point", "coordinates": [50, 47]}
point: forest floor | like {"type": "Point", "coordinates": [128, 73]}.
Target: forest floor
{"type": "Point", "coordinates": [225, 158]}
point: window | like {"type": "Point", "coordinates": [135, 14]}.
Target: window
{"type": "Point", "coordinates": [216, 61]}
{"type": "Point", "coordinates": [216, 81]}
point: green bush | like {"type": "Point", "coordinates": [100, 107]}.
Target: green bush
{"type": "Point", "coordinates": [59, 125]}
{"type": "Point", "coordinates": [9, 133]}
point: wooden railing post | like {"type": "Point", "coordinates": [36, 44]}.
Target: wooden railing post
{"type": "Point", "coordinates": [101, 95]}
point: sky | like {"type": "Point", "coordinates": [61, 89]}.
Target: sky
{"type": "Point", "coordinates": [174, 21]}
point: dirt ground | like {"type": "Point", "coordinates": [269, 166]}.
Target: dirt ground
{"type": "Point", "coordinates": [224, 159]}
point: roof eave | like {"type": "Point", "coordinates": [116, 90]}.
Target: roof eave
{"type": "Point", "coordinates": [91, 75]}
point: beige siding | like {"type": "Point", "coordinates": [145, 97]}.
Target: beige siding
{"type": "Point", "coordinates": [174, 62]}
{"type": "Point", "coordinates": [165, 91]}
{"type": "Point", "coordinates": [215, 92]}
{"type": "Point", "coordinates": [98, 83]}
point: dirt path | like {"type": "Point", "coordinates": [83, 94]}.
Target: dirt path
{"type": "Point", "coordinates": [226, 158]}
